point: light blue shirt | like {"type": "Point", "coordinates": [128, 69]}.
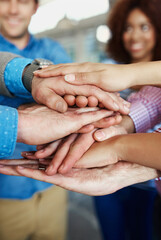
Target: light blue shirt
{"type": "Point", "coordinates": [13, 187]}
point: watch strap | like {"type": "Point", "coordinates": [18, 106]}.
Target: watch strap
{"type": "Point", "coordinates": [28, 75]}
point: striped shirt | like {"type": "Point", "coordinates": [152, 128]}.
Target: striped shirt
{"type": "Point", "coordinates": [145, 108]}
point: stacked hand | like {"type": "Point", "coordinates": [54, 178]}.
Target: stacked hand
{"type": "Point", "coordinates": [77, 161]}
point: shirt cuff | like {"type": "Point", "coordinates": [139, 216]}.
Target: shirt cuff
{"type": "Point", "coordinates": [140, 117]}
{"type": "Point", "coordinates": [8, 130]}
{"type": "Point", "coordinates": [13, 77]}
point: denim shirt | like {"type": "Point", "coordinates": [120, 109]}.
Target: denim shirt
{"type": "Point", "coordinates": [13, 187]}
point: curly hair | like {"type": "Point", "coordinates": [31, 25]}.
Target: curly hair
{"type": "Point", "coordinates": [117, 20]}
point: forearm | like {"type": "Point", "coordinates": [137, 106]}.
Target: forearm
{"type": "Point", "coordinates": [142, 149]}
{"type": "Point", "coordinates": [8, 130]}
{"type": "Point", "coordinates": [145, 74]}
{"type": "Point", "coordinates": [5, 59]}
{"type": "Point", "coordinates": [128, 124]}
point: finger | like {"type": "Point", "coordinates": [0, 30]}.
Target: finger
{"type": "Point", "coordinates": [32, 173]}
{"type": "Point", "coordinates": [13, 162]}
{"type": "Point", "coordinates": [60, 155]}
{"type": "Point", "coordinates": [74, 180]}
{"type": "Point", "coordinates": [8, 170]}
{"type": "Point", "coordinates": [101, 105]}
{"type": "Point", "coordinates": [46, 161]}
{"type": "Point", "coordinates": [92, 101]}
{"type": "Point", "coordinates": [107, 122]}
{"type": "Point", "coordinates": [78, 148]}
{"type": "Point", "coordinates": [70, 100]}
{"type": "Point", "coordinates": [81, 78]}
{"type": "Point", "coordinates": [86, 129]}
{"type": "Point", "coordinates": [48, 150]}
{"type": "Point", "coordinates": [29, 154]}
{"type": "Point", "coordinates": [61, 69]}
{"type": "Point", "coordinates": [124, 106]}
{"type": "Point", "coordinates": [103, 134]}
{"type": "Point", "coordinates": [51, 100]}
{"type": "Point", "coordinates": [41, 146]}
{"type": "Point", "coordinates": [88, 117]}
{"type": "Point", "coordinates": [81, 101]}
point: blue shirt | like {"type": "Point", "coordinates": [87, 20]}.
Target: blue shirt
{"type": "Point", "coordinates": [13, 187]}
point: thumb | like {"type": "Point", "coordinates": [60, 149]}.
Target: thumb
{"type": "Point", "coordinates": [83, 78]}
{"type": "Point", "coordinates": [106, 133]}
{"type": "Point", "coordinates": [52, 100]}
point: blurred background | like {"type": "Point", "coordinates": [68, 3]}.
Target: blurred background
{"type": "Point", "coordinates": [80, 26]}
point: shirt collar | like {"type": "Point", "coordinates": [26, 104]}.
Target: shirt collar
{"type": "Point", "coordinates": [7, 43]}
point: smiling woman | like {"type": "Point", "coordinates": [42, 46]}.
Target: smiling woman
{"type": "Point", "coordinates": [139, 36]}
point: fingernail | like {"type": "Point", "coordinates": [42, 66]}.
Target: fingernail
{"type": "Point", "coordinates": [100, 135]}
{"type": "Point", "coordinates": [60, 107]}
{"type": "Point", "coordinates": [69, 77]}
{"type": "Point", "coordinates": [27, 154]}
{"type": "Point", "coordinates": [116, 106]}
{"type": "Point", "coordinates": [37, 71]}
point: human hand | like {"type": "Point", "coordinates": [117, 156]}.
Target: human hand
{"type": "Point", "coordinates": [108, 77]}
{"type": "Point", "coordinates": [39, 125]}
{"type": "Point", "coordinates": [81, 101]}
{"type": "Point", "coordinates": [95, 181]}
{"type": "Point", "coordinates": [78, 156]}
{"type": "Point", "coordinates": [72, 150]}
{"type": "Point", "coordinates": [48, 91]}
{"type": "Point", "coordinates": [64, 153]}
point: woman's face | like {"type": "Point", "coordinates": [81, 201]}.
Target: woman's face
{"type": "Point", "coordinates": [139, 37]}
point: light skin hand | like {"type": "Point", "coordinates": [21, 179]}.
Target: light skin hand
{"type": "Point", "coordinates": [81, 101]}
{"type": "Point", "coordinates": [106, 133]}
{"type": "Point", "coordinates": [95, 181]}
{"type": "Point", "coordinates": [129, 147]}
{"type": "Point", "coordinates": [39, 125]}
{"type": "Point", "coordinates": [109, 77]}
{"type": "Point", "coordinates": [69, 152]}
{"type": "Point", "coordinates": [49, 91]}
{"type": "Point", "coordinates": [71, 149]}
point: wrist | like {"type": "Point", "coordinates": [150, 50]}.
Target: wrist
{"type": "Point", "coordinates": [134, 75]}
{"type": "Point", "coordinates": [128, 124]}
{"type": "Point", "coordinates": [119, 147]}
{"type": "Point", "coordinates": [146, 73]}
{"type": "Point", "coordinates": [21, 126]}
{"type": "Point", "coordinates": [27, 76]}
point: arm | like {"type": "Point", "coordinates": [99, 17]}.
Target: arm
{"type": "Point", "coordinates": [5, 59]}
{"type": "Point", "coordinates": [107, 76]}
{"type": "Point", "coordinates": [141, 148]}
{"type": "Point", "coordinates": [95, 181]}
{"type": "Point", "coordinates": [49, 91]}
{"type": "Point", "coordinates": [30, 125]}
{"type": "Point", "coordinates": [8, 130]}
{"type": "Point", "coordinates": [145, 113]}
